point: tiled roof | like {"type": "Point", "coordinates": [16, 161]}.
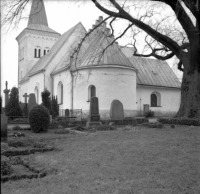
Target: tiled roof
{"type": "Point", "coordinates": [44, 61]}
{"type": "Point", "coordinates": [97, 55]}
{"type": "Point", "coordinates": [153, 71]}
{"type": "Point", "coordinates": [37, 13]}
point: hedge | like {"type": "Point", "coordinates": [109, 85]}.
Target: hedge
{"type": "Point", "coordinates": [178, 121]}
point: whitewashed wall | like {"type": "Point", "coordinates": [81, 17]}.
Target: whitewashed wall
{"type": "Point", "coordinates": [65, 78]}
{"type": "Point", "coordinates": [170, 100]}
{"type": "Point", "coordinates": [29, 86]}
{"type": "Point", "coordinates": [30, 40]}
{"type": "Point", "coordinates": [111, 83]}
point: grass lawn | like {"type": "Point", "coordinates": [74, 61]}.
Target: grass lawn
{"type": "Point", "coordinates": [143, 161]}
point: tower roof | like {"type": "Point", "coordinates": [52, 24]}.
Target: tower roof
{"type": "Point", "coordinates": [37, 13]}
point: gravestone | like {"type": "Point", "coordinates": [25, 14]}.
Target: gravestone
{"type": "Point", "coordinates": [26, 96]}
{"type": "Point", "coordinates": [4, 123]}
{"type": "Point", "coordinates": [116, 110]}
{"type": "Point", "coordinates": [67, 112]}
{"type": "Point", "coordinates": [146, 108]}
{"type": "Point", "coordinates": [24, 106]}
{"type": "Point", "coordinates": [94, 117]}
{"type": "Point", "coordinates": [31, 102]}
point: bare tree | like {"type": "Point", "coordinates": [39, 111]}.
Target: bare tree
{"type": "Point", "coordinates": [165, 36]}
{"type": "Point", "coordinates": [187, 52]}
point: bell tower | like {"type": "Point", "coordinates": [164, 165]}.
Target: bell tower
{"type": "Point", "coordinates": [35, 40]}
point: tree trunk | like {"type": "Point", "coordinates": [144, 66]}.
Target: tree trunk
{"type": "Point", "coordinates": [190, 92]}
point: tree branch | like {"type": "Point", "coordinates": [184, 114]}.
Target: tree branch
{"type": "Point", "coordinates": [180, 64]}
{"type": "Point", "coordinates": [168, 42]}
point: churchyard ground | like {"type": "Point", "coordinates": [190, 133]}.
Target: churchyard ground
{"type": "Point", "coordinates": [140, 160]}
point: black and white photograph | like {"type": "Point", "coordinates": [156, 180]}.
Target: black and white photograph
{"type": "Point", "coordinates": [100, 96]}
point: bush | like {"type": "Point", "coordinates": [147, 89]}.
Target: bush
{"type": "Point", "coordinates": [39, 119]}
{"type": "Point", "coordinates": [6, 168]}
{"type": "Point", "coordinates": [46, 99]}
{"type": "Point", "coordinates": [62, 131]}
{"type": "Point", "coordinates": [17, 134]}
{"type": "Point", "coordinates": [105, 128]}
{"type": "Point", "coordinates": [178, 121]}
{"type": "Point", "coordinates": [12, 108]}
{"type": "Point", "coordinates": [79, 128]}
{"type": "Point", "coordinates": [149, 114]}
{"type": "Point", "coordinates": [16, 128]}
{"type": "Point", "coordinates": [54, 107]}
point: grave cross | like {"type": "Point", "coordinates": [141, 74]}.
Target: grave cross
{"type": "Point", "coordinates": [25, 96]}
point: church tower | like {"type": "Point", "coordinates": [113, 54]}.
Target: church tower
{"type": "Point", "coordinates": [35, 40]}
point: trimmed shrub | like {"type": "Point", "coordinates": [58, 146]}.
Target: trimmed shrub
{"type": "Point", "coordinates": [39, 119]}
{"type": "Point", "coordinates": [54, 107]}
{"type": "Point", "coordinates": [149, 114]}
{"type": "Point", "coordinates": [46, 99]}
{"type": "Point", "coordinates": [6, 168]}
{"type": "Point", "coordinates": [178, 121]}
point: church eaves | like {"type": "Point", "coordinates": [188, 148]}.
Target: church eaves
{"type": "Point", "coordinates": [37, 13]}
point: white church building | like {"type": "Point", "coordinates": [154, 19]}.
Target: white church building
{"type": "Point", "coordinates": [76, 66]}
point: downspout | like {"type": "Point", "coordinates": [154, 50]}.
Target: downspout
{"type": "Point", "coordinates": [52, 87]}
{"type": "Point", "coordinates": [44, 78]}
{"type": "Point", "coordinates": [72, 85]}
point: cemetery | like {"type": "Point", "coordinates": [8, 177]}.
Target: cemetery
{"type": "Point", "coordinates": [105, 152]}
{"type": "Point", "coordinates": [94, 115]}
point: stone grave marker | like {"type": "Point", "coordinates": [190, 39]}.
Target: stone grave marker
{"type": "Point", "coordinates": [26, 96]}
{"type": "Point", "coordinates": [4, 123]}
{"type": "Point", "coordinates": [94, 117]}
{"type": "Point", "coordinates": [24, 105]}
{"type": "Point", "coordinates": [31, 101]}
{"type": "Point", "coordinates": [116, 110]}
{"type": "Point", "coordinates": [67, 112]}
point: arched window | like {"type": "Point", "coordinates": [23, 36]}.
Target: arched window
{"type": "Point", "coordinates": [91, 92]}
{"type": "Point", "coordinates": [36, 94]}
{"type": "Point", "coordinates": [37, 51]}
{"type": "Point", "coordinates": [46, 50]}
{"type": "Point", "coordinates": [60, 93]}
{"type": "Point", "coordinates": [155, 99]}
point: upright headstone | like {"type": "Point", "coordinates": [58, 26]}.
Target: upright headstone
{"type": "Point", "coordinates": [6, 92]}
{"type": "Point", "coordinates": [146, 108]}
{"type": "Point", "coordinates": [94, 117]}
{"type": "Point", "coordinates": [116, 110]}
{"type": "Point", "coordinates": [67, 112]}
{"type": "Point", "coordinates": [31, 101]}
{"type": "Point", "coordinates": [4, 123]}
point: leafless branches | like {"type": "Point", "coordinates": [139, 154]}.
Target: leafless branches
{"type": "Point", "coordinates": [14, 12]}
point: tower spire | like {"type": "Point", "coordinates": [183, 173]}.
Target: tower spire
{"type": "Point", "coordinates": [38, 13]}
